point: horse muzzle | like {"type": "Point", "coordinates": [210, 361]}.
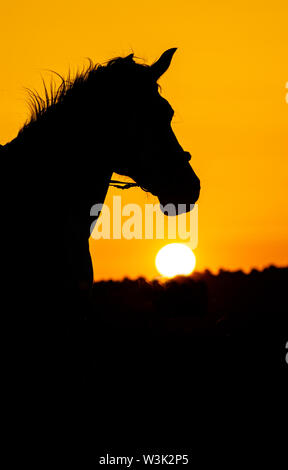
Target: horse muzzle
{"type": "Point", "coordinates": [180, 195]}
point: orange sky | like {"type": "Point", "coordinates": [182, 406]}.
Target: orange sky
{"type": "Point", "coordinates": [226, 85]}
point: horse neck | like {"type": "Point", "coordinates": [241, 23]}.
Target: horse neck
{"type": "Point", "coordinates": [85, 169]}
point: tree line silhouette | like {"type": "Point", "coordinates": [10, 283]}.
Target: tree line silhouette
{"type": "Point", "coordinates": [227, 303]}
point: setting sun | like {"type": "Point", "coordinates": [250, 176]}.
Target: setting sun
{"type": "Point", "coordinates": [175, 259]}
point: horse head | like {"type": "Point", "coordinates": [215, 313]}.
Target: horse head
{"type": "Point", "coordinates": [152, 155]}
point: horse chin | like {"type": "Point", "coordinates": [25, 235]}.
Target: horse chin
{"type": "Point", "coordinates": [172, 206]}
{"type": "Point", "coordinates": [171, 209]}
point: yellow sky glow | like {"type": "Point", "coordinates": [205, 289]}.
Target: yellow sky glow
{"type": "Point", "coordinates": [226, 85]}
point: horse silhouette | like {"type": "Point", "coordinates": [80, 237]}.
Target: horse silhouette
{"type": "Point", "coordinates": [108, 118]}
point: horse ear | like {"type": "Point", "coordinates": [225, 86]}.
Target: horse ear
{"type": "Point", "coordinates": [161, 65]}
{"type": "Point", "coordinates": [129, 58]}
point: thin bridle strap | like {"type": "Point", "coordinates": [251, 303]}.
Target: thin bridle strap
{"type": "Point", "coordinates": [122, 184]}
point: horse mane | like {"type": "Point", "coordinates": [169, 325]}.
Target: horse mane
{"type": "Point", "coordinates": [72, 87]}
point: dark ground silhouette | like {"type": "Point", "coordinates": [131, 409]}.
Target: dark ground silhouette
{"type": "Point", "coordinates": [171, 357]}
{"type": "Point", "coordinates": [149, 366]}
